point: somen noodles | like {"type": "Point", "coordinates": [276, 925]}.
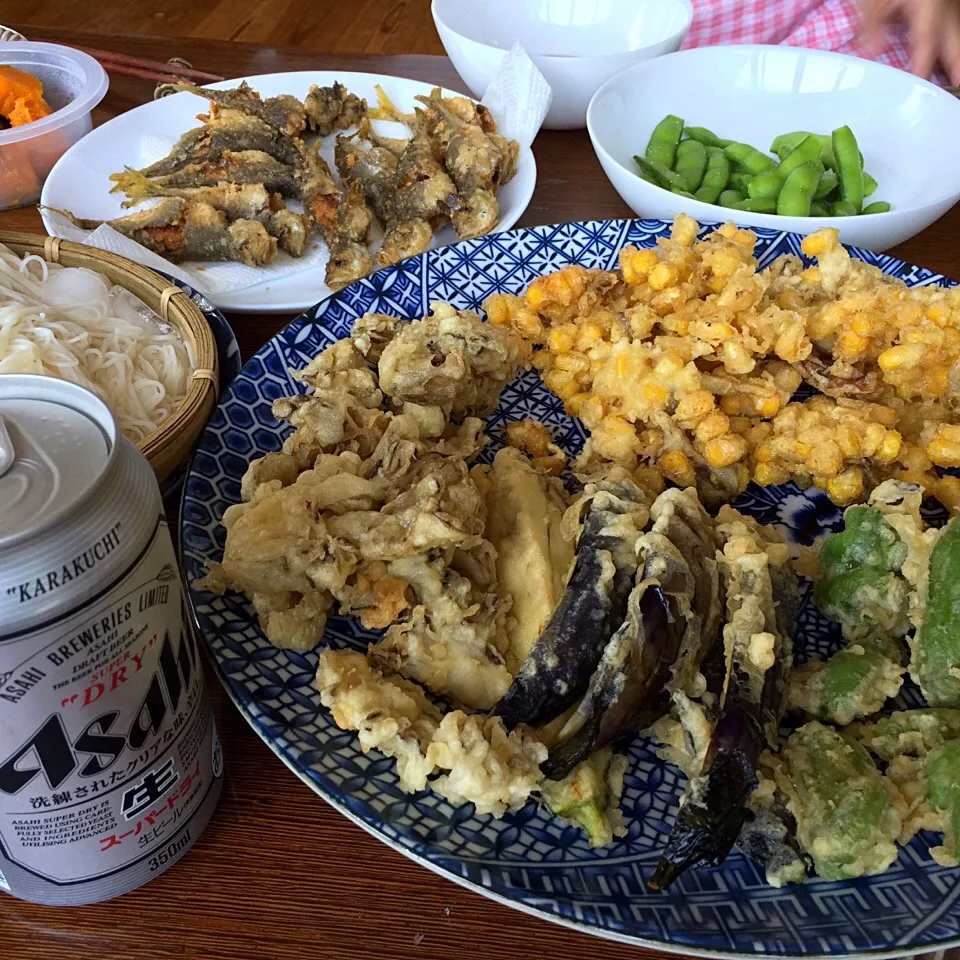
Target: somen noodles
{"type": "Point", "coordinates": [66, 322]}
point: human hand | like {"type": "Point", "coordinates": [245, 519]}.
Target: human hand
{"type": "Point", "coordinates": [933, 27]}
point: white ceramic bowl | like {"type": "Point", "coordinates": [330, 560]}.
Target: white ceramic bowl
{"type": "Point", "coordinates": [908, 129]}
{"type": "Point", "coordinates": [73, 84]}
{"type": "Point", "coordinates": [576, 44]}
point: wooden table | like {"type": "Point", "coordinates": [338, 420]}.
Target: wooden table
{"type": "Point", "coordinates": [278, 873]}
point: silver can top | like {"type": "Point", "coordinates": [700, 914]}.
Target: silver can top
{"type": "Point", "coordinates": [56, 441]}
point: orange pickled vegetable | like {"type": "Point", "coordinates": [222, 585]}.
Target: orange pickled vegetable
{"type": "Point", "coordinates": [21, 97]}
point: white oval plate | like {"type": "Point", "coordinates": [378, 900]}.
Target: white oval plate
{"type": "Point", "coordinates": [79, 182]}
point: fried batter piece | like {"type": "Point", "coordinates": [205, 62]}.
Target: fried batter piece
{"type": "Point", "coordinates": [535, 440]}
{"type": "Point", "coordinates": [687, 357]}
{"type": "Point", "coordinates": [371, 505]}
{"type": "Point", "coordinates": [183, 230]}
{"type": "Point", "coordinates": [451, 360]}
{"type": "Point", "coordinates": [477, 760]}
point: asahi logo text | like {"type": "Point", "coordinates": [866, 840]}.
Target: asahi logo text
{"type": "Point", "coordinates": [99, 745]}
{"type": "Point", "coordinates": [69, 571]}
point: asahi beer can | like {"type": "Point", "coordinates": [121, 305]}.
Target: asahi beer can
{"type": "Point", "coordinates": [110, 766]}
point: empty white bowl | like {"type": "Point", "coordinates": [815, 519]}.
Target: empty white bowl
{"type": "Point", "coordinates": [908, 130]}
{"type": "Point", "coordinates": [576, 44]}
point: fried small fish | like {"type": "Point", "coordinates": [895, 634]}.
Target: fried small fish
{"type": "Point", "coordinates": [424, 195]}
{"type": "Point", "coordinates": [236, 132]}
{"type": "Point", "coordinates": [284, 112]}
{"type": "Point", "coordinates": [318, 191]}
{"type": "Point", "coordinates": [374, 169]}
{"type": "Point", "coordinates": [179, 230]}
{"type": "Point", "coordinates": [251, 201]}
{"type": "Point", "coordinates": [473, 158]}
{"type": "Point", "coordinates": [404, 239]}
{"type": "Point", "coordinates": [240, 167]}
{"type": "Point", "coordinates": [349, 257]}
{"type": "Point", "coordinates": [424, 188]}
{"type": "Point", "coordinates": [479, 162]}
{"type": "Point", "coordinates": [333, 108]}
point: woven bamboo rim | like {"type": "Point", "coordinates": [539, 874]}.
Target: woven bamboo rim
{"type": "Point", "coordinates": [171, 443]}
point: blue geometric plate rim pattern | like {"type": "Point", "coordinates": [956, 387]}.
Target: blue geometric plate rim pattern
{"type": "Point", "coordinates": [529, 860]}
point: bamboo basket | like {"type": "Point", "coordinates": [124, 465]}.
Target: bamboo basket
{"type": "Point", "coordinates": [171, 443]}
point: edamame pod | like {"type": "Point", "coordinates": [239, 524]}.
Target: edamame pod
{"type": "Point", "coordinates": [715, 178]}
{"type": "Point", "coordinates": [828, 183]}
{"type": "Point", "coordinates": [869, 185]}
{"type": "Point", "coordinates": [691, 163]}
{"type": "Point", "coordinates": [818, 209]}
{"type": "Point", "coordinates": [842, 208]}
{"type": "Point", "coordinates": [730, 198]}
{"type": "Point", "coordinates": [740, 180]}
{"type": "Point", "coordinates": [878, 206]}
{"type": "Point", "coordinates": [705, 136]}
{"type": "Point", "coordinates": [806, 151]}
{"type": "Point", "coordinates": [751, 159]}
{"type": "Point", "coordinates": [662, 147]}
{"type": "Point", "coordinates": [659, 174]}
{"type": "Point", "coordinates": [798, 189]}
{"type": "Point", "coordinates": [849, 167]}
{"type": "Point", "coordinates": [786, 142]}
{"type": "Point", "coordinates": [765, 185]}
{"type": "Point", "coordinates": [758, 205]}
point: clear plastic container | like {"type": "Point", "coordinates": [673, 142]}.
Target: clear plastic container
{"type": "Point", "coordinates": [73, 84]}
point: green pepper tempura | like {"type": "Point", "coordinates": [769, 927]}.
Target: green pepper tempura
{"type": "Point", "coordinates": [589, 795]}
{"type": "Point", "coordinates": [922, 750]}
{"type": "Point", "coordinates": [860, 584]}
{"type": "Point", "coordinates": [909, 733]}
{"type": "Point", "coordinates": [855, 682]}
{"type": "Point", "coordinates": [848, 814]}
{"type": "Point", "coordinates": [935, 660]}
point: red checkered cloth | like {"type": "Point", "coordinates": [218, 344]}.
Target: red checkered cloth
{"type": "Point", "coordinates": [822, 24]}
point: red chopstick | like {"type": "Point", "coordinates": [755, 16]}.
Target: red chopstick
{"type": "Point", "coordinates": [124, 65]}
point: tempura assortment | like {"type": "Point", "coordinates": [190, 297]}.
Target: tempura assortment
{"type": "Point", "coordinates": [532, 625]}
{"type": "Point", "coordinates": [223, 188]}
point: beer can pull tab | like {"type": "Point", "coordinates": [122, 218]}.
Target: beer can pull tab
{"type": "Point", "coordinates": [6, 449]}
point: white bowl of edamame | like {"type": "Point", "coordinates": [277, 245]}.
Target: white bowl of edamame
{"type": "Point", "coordinates": [836, 141]}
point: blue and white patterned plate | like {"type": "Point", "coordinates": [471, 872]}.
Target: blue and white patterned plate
{"type": "Point", "coordinates": [528, 859]}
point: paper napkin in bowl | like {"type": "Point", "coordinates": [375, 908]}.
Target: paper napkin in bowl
{"type": "Point", "coordinates": [518, 97]}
